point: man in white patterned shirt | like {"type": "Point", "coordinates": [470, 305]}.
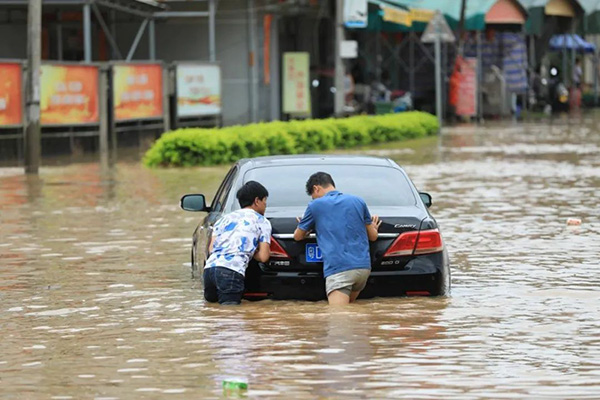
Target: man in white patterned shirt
{"type": "Point", "coordinates": [237, 237]}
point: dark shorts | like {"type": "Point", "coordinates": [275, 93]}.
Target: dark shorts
{"type": "Point", "coordinates": [223, 285]}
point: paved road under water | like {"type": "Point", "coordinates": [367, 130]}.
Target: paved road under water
{"type": "Point", "coordinates": [96, 299]}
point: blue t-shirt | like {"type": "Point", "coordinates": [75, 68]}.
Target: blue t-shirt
{"type": "Point", "coordinates": [339, 221]}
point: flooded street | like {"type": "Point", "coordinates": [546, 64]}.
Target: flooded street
{"type": "Point", "coordinates": [97, 300]}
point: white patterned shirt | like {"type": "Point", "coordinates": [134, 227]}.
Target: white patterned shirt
{"type": "Point", "coordinates": [236, 237]}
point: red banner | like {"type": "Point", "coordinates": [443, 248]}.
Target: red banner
{"type": "Point", "coordinates": [465, 86]}
{"type": "Point", "coordinates": [11, 89]}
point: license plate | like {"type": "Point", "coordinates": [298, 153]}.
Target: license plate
{"type": "Point", "coordinates": [313, 253]}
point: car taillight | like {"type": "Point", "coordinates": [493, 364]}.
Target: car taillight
{"type": "Point", "coordinates": [406, 244]}
{"type": "Point", "coordinates": [277, 250]}
{"type": "Point", "coordinates": [429, 242]}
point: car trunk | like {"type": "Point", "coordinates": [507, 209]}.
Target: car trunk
{"type": "Point", "coordinates": [395, 221]}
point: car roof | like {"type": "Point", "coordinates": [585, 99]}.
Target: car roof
{"type": "Point", "coordinates": [301, 159]}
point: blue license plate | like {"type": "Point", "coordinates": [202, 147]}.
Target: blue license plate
{"type": "Point", "coordinates": [313, 253]}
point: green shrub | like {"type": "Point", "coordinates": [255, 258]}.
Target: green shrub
{"type": "Point", "coordinates": [199, 146]}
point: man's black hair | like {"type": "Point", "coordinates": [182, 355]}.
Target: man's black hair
{"type": "Point", "coordinates": [249, 192]}
{"type": "Point", "coordinates": [318, 178]}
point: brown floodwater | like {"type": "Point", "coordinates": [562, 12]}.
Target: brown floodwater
{"type": "Point", "coordinates": [97, 300]}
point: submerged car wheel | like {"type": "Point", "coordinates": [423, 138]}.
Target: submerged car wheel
{"type": "Point", "coordinates": [445, 284]}
{"type": "Point", "coordinates": [194, 264]}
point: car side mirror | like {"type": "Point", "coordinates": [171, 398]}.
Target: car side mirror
{"type": "Point", "coordinates": [426, 198]}
{"type": "Point", "coordinates": [193, 202]}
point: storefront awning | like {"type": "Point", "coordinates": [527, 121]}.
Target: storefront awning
{"type": "Point", "coordinates": [414, 15]}
{"type": "Point", "coordinates": [506, 12]}
{"type": "Point", "coordinates": [571, 42]}
{"type": "Point", "coordinates": [539, 10]}
{"type": "Point", "coordinates": [592, 16]}
{"type": "Point", "coordinates": [476, 12]}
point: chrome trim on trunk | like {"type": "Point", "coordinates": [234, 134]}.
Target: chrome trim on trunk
{"type": "Point", "coordinates": [313, 236]}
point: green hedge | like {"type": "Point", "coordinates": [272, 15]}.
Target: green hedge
{"type": "Point", "coordinates": [197, 146]}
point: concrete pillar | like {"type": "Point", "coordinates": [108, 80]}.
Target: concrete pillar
{"type": "Point", "coordinates": [104, 122]}
{"type": "Point", "coordinates": [33, 134]}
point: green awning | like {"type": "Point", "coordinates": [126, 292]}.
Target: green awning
{"type": "Point", "coordinates": [591, 23]}
{"type": "Point", "coordinates": [376, 18]}
{"type": "Point", "coordinates": [537, 14]}
{"type": "Point", "coordinates": [474, 13]}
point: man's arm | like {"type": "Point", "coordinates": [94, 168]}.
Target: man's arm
{"type": "Point", "coordinates": [300, 234]}
{"type": "Point", "coordinates": [305, 225]}
{"type": "Point", "coordinates": [263, 252]}
{"type": "Point", "coordinates": [211, 244]}
{"type": "Point", "coordinates": [373, 228]}
{"type": "Point", "coordinates": [372, 224]}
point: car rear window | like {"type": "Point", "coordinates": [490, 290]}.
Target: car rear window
{"type": "Point", "coordinates": [378, 186]}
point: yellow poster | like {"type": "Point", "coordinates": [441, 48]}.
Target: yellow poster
{"type": "Point", "coordinates": [396, 16]}
{"type": "Point", "coordinates": [69, 95]}
{"type": "Point", "coordinates": [137, 91]}
{"type": "Point", "coordinates": [296, 89]}
{"type": "Point", "coordinates": [421, 15]}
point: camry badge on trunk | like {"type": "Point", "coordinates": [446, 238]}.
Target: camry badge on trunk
{"type": "Point", "coordinates": [404, 226]}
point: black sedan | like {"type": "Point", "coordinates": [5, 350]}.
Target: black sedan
{"type": "Point", "coordinates": [408, 258]}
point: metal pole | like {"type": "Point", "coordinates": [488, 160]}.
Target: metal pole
{"type": "Point", "coordinates": [479, 78]}
{"type": "Point", "coordinates": [378, 57]}
{"type": "Point", "coordinates": [103, 139]}
{"type": "Point", "coordinates": [395, 65]}
{"type": "Point", "coordinates": [137, 39]}
{"type": "Point", "coordinates": [444, 80]}
{"type": "Point", "coordinates": [532, 62]}
{"type": "Point", "coordinates": [33, 145]}
{"type": "Point", "coordinates": [114, 47]}
{"type": "Point", "coordinates": [564, 60]}
{"type": "Point", "coordinates": [151, 40]}
{"type": "Point", "coordinates": [338, 107]}
{"type": "Point", "coordinates": [596, 77]}
{"type": "Point", "coordinates": [59, 38]}
{"type": "Point", "coordinates": [113, 32]}
{"type": "Point", "coordinates": [573, 63]}
{"type": "Point", "coordinates": [253, 70]}
{"type": "Point", "coordinates": [532, 65]}
{"type": "Point", "coordinates": [87, 32]}
{"type": "Point", "coordinates": [166, 97]}
{"type": "Point", "coordinates": [411, 63]}
{"type": "Point", "coordinates": [211, 31]}
{"type": "Point", "coordinates": [275, 78]}
{"type": "Point", "coordinates": [438, 76]}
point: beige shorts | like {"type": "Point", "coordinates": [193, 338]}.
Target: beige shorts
{"type": "Point", "coordinates": [353, 280]}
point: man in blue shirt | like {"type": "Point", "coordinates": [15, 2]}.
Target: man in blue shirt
{"type": "Point", "coordinates": [344, 227]}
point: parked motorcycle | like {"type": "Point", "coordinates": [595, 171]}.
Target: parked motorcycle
{"type": "Point", "coordinates": [549, 95]}
{"type": "Point", "coordinates": [559, 94]}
